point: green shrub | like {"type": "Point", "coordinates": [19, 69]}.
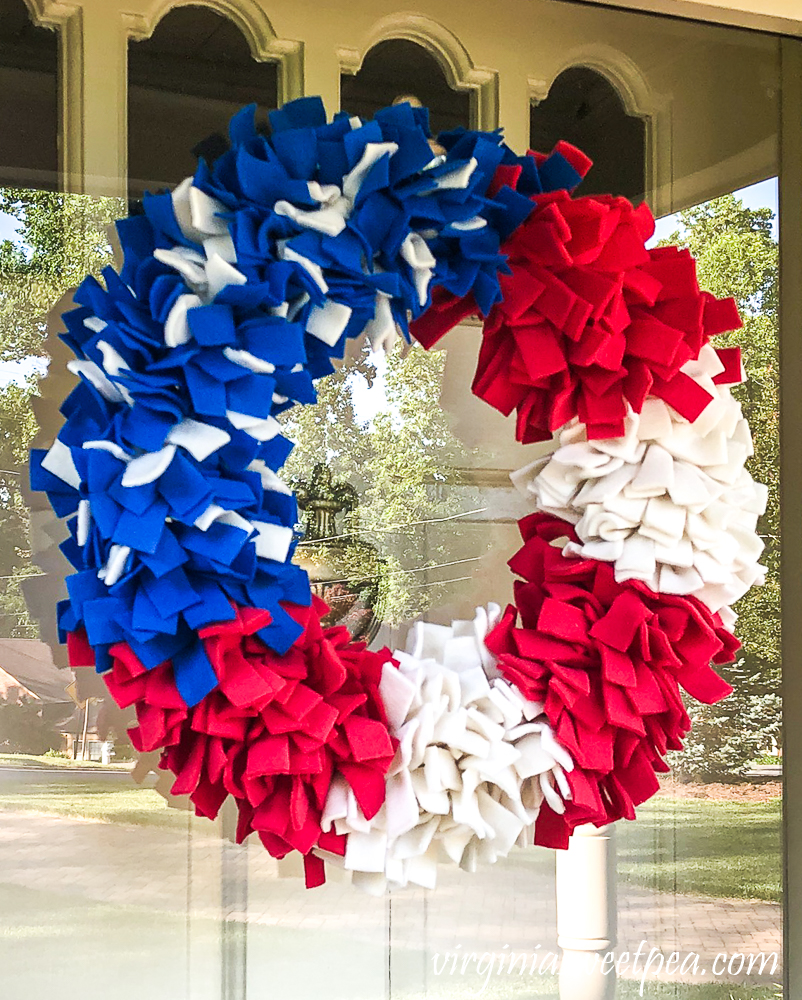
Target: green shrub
{"type": "Point", "coordinates": [727, 738]}
{"type": "Point", "coordinates": [24, 730]}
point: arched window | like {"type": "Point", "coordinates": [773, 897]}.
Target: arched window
{"type": "Point", "coordinates": [584, 108]}
{"type": "Point", "coordinates": [397, 68]}
{"type": "Point", "coordinates": [185, 82]}
{"type": "Point", "coordinates": [28, 100]}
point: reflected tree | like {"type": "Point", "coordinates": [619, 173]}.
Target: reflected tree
{"type": "Point", "coordinates": [399, 462]}
{"type": "Point", "coordinates": [737, 255]}
{"type": "Point", "coordinates": [60, 238]}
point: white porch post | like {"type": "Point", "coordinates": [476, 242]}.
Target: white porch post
{"type": "Point", "coordinates": [586, 914]}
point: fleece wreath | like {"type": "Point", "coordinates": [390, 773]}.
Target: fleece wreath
{"type": "Point", "coordinates": [238, 290]}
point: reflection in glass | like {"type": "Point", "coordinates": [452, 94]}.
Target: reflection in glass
{"type": "Point", "coordinates": [107, 889]}
{"type": "Point", "coordinates": [584, 108]}
{"type": "Point", "coordinates": [29, 80]}
{"type": "Point", "coordinates": [397, 68]}
{"type": "Point", "coordinates": [191, 76]}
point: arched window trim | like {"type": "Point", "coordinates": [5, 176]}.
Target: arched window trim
{"type": "Point", "coordinates": [248, 16]}
{"type": "Point", "coordinates": [638, 100]}
{"type": "Point", "coordinates": [450, 54]}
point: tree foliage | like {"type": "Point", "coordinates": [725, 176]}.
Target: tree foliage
{"type": "Point", "coordinates": [27, 728]}
{"type": "Point", "coordinates": [402, 463]}
{"type": "Point", "coordinates": [61, 239]}
{"type": "Point", "coordinates": [17, 427]}
{"type": "Point", "coordinates": [726, 738]}
{"type": "Point", "coordinates": [737, 255]}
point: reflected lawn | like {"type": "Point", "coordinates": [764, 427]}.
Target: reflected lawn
{"type": "Point", "coordinates": [54, 944]}
{"type": "Point", "coordinates": [708, 848]}
{"type": "Point", "coordinates": [704, 991]}
{"type": "Point", "coordinates": [693, 846]}
{"type": "Point", "coordinates": [92, 798]}
{"type": "Point", "coordinates": [59, 944]}
{"type": "Point", "coordinates": [27, 760]}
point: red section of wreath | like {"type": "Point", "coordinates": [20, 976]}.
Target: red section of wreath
{"type": "Point", "coordinates": [607, 660]}
{"type": "Point", "coordinates": [273, 733]}
{"type": "Point", "coordinates": [590, 319]}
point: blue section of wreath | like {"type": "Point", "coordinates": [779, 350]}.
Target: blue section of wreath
{"type": "Point", "coordinates": [236, 292]}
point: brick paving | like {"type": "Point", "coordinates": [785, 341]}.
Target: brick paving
{"type": "Point", "coordinates": [140, 874]}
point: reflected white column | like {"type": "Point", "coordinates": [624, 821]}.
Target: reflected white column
{"type": "Point", "coordinates": [586, 914]}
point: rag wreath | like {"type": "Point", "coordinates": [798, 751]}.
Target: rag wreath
{"type": "Point", "coordinates": [238, 290]}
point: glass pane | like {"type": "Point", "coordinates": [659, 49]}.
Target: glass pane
{"type": "Point", "coordinates": [107, 881]}
{"type": "Point", "coordinates": [403, 479]}
{"type": "Point", "coordinates": [699, 873]}
{"type": "Point", "coordinates": [29, 79]}
{"type": "Point", "coordinates": [713, 837]}
{"type": "Point", "coordinates": [191, 76]}
{"type": "Point", "coordinates": [397, 69]}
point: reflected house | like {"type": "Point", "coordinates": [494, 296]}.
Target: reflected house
{"type": "Point", "coordinates": [583, 107]}
{"type": "Point", "coordinates": [29, 78]}
{"type": "Point", "coordinates": [191, 75]}
{"type": "Point", "coordinates": [577, 76]}
{"type": "Point", "coordinates": [12, 691]}
{"type": "Point", "coordinates": [32, 683]}
{"type": "Point", "coordinates": [30, 663]}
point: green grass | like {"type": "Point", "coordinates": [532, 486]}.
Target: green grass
{"type": "Point", "coordinates": [698, 847]}
{"type": "Point", "coordinates": [709, 848]}
{"type": "Point", "coordinates": [59, 763]}
{"type": "Point", "coordinates": [94, 801]}
{"type": "Point", "coordinates": [702, 991]}
{"type": "Point", "coordinates": [692, 846]}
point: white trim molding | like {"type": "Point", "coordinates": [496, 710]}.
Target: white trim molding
{"type": "Point", "coordinates": [67, 20]}
{"type": "Point", "coordinates": [252, 21]}
{"type": "Point", "coordinates": [446, 48]}
{"type": "Point", "coordinates": [50, 13]}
